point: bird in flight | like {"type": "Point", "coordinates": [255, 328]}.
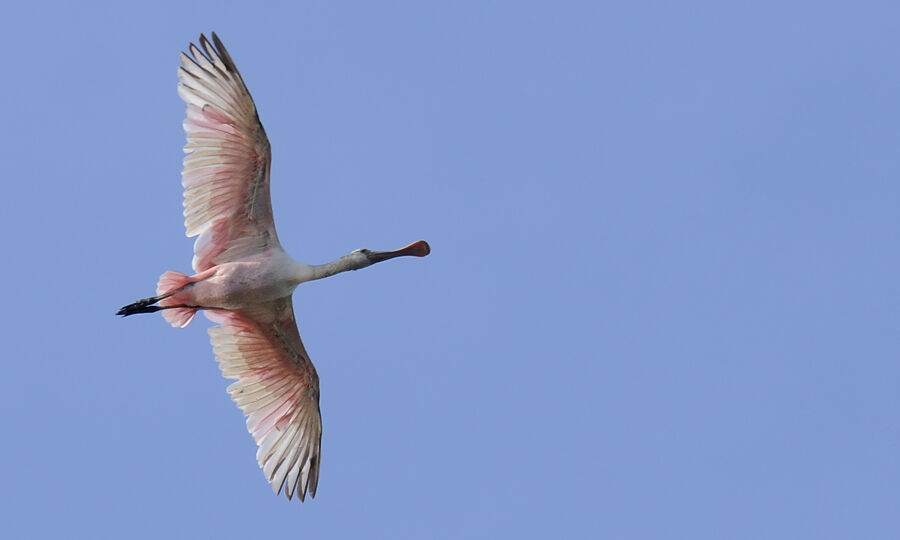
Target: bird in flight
{"type": "Point", "coordinates": [244, 279]}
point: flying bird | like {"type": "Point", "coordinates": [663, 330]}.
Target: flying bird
{"type": "Point", "coordinates": [243, 278]}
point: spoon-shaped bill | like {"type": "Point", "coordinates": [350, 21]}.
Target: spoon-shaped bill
{"type": "Point", "coordinates": [416, 249]}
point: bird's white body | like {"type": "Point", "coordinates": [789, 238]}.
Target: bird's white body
{"type": "Point", "coordinates": [244, 279]}
{"type": "Point", "coordinates": [259, 279]}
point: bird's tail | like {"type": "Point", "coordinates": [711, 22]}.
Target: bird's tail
{"type": "Point", "coordinates": [176, 313]}
{"type": "Point", "coordinates": [167, 300]}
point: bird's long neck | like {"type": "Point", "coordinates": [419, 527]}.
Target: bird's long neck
{"type": "Point", "coordinates": [318, 271]}
{"type": "Point", "coordinates": [355, 260]}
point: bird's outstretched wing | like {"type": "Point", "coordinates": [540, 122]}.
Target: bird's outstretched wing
{"type": "Point", "coordinates": [277, 388]}
{"type": "Point", "coordinates": [226, 174]}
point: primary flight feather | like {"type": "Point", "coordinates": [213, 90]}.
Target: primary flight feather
{"type": "Point", "coordinates": [244, 280]}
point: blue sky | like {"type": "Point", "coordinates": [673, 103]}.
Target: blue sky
{"type": "Point", "coordinates": [662, 300]}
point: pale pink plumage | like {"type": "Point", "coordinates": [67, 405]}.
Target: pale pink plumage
{"type": "Point", "coordinates": [277, 388]}
{"type": "Point", "coordinates": [244, 279]}
{"type": "Point", "coordinates": [172, 281]}
{"type": "Point", "coordinates": [226, 173]}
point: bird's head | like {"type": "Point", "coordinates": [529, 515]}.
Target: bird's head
{"type": "Point", "coordinates": [367, 257]}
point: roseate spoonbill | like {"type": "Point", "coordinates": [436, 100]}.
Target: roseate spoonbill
{"type": "Point", "coordinates": [244, 279]}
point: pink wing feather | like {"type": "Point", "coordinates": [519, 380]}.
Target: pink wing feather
{"type": "Point", "coordinates": [277, 388]}
{"type": "Point", "coordinates": [226, 174]}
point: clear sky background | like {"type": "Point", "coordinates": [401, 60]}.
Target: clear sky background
{"type": "Point", "coordinates": [662, 300]}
